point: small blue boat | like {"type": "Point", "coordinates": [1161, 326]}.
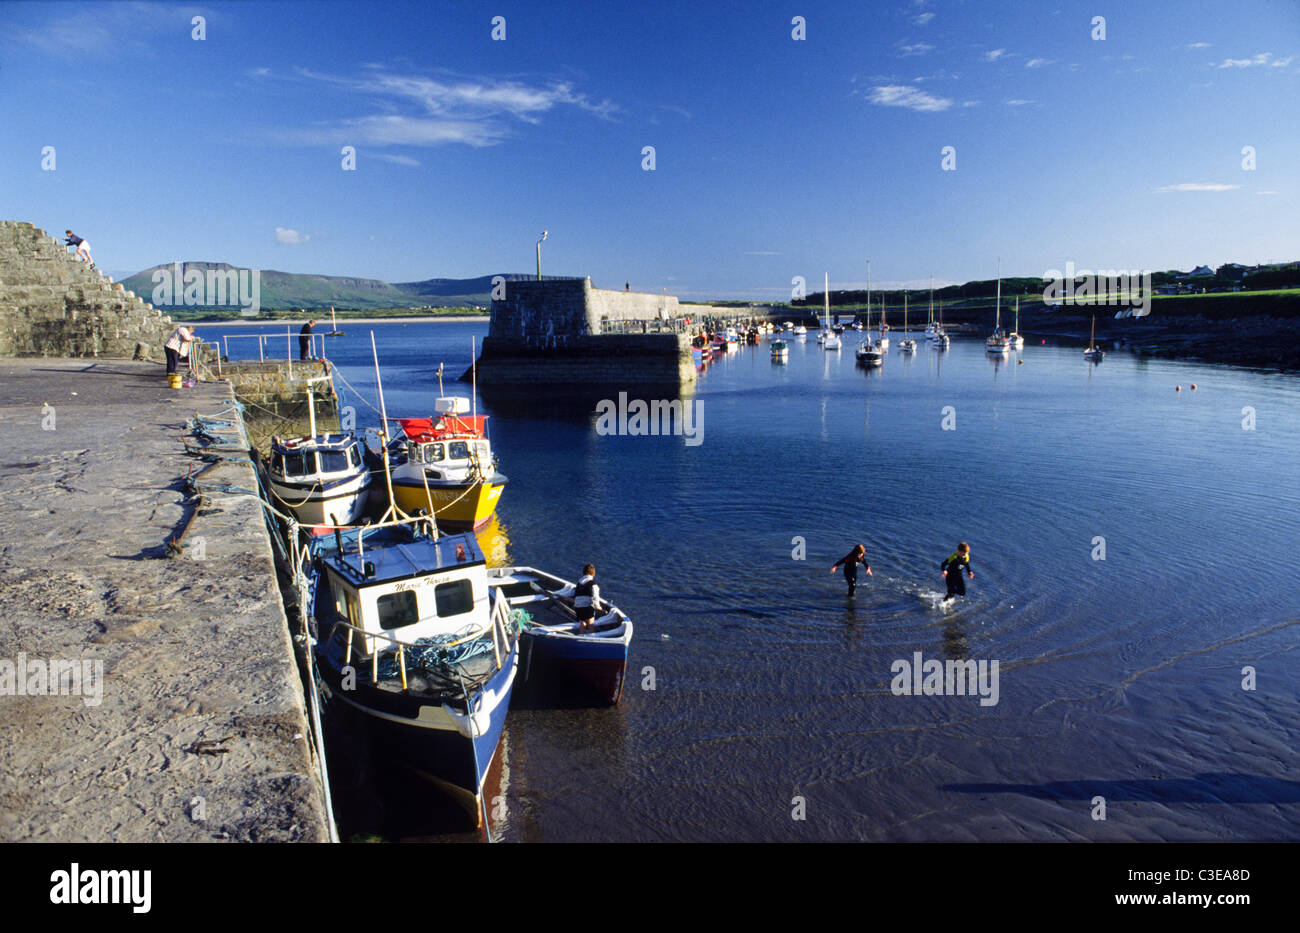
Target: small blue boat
{"type": "Point", "coordinates": [558, 659]}
{"type": "Point", "coordinates": [409, 634]}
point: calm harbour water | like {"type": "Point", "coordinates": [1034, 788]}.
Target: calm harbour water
{"type": "Point", "coordinates": [1119, 678]}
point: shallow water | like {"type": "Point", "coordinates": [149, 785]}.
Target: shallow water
{"type": "Point", "coordinates": [1118, 678]}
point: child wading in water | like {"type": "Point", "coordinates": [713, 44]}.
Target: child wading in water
{"type": "Point", "coordinates": [850, 563]}
{"type": "Point", "coordinates": [957, 561]}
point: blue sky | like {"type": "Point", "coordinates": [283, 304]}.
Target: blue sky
{"type": "Point", "coordinates": [774, 157]}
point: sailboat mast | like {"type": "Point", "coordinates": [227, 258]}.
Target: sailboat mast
{"type": "Point", "coordinates": [930, 320]}
{"type": "Point", "coordinates": [998, 324]}
{"type": "Point", "coordinates": [826, 295]}
{"type": "Point", "coordinates": [868, 290]}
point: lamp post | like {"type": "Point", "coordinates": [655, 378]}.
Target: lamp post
{"type": "Point", "coordinates": [545, 234]}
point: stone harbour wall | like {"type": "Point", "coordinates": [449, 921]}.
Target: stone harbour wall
{"type": "Point", "coordinates": [54, 305]}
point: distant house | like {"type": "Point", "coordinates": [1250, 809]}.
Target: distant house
{"type": "Point", "coordinates": [1200, 272]}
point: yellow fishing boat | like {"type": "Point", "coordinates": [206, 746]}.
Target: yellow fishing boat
{"type": "Point", "coordinates": [447, 467]}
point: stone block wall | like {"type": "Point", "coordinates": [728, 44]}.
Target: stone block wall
{"type": "Point", "coordinates": [52, 304]}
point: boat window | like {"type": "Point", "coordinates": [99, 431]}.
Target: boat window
{"type": "Point", "coordinates": [341, 604]}
{"type": "Point", "coordinates": [299, 464]}
{"type": "Point", "coordinates": [453, 598]}
{"type": "Point", "coordinates": [459, 450]}
{"type": "Point", "coordinates": [354, 455]}
{"type": "Point", "coordinates": [333, 461]}
{"type": "Point", "coordinates": [413, 451]}
{"type": "Point", "coordinates": [482, 451]}
{"type": "Point", "coordinates": [433, 453]}
{"type": "Point", "coordinates": [397, 609]}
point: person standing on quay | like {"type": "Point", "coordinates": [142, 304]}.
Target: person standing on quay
{"type": "Point", "coordinates": [850, 563]}
{"type": "Point", "coordinates": [178, 347]}
{"type": "Point", "coordinates": [952, 568]}
{"type": "Point", "coordinates": [304, 341]}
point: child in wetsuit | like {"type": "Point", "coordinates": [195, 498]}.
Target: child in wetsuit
{"type": "Point", "coordinates": [850, 563]}
{"type": "Point", "coordinates": [952, 568]}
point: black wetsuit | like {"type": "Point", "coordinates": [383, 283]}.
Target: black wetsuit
{"type": "Point", "coordinates": [850, 562]}
{"type": "Point", "coordinates": [956, 564]}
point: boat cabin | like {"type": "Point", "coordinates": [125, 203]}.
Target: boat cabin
{"type": "Point", "coordinates": [307, 460]}
{"type": "Point", "coordinates": [405, 590]}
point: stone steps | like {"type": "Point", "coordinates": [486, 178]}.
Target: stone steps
{"type": "Point", "coordinates": [53, 304]}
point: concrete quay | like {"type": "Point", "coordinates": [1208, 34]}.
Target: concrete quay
{"type": "Point", "coordinates": [145, 698]}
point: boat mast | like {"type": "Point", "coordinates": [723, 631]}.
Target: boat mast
{"type": "Point", "coordinates": [383, 441]}
{"type": "Point", "coordinates": [826, 294]}
{"type": "Point", "coordinates": [311, 411]}
{"type": "Point", "coordinates": [930, 320]}
{"type": "Point", "coordinates": [998, 324]}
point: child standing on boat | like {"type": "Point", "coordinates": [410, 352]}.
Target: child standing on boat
{"type": "Point", "coordinates": [585, 594]}
{"type": "Point", "coordinates": [952, 568]}
{"type": "Point", "coordinates": [850, 563]}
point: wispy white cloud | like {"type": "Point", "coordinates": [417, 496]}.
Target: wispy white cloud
{"type": "Point", "coordinates": [417, 110]}
{"type": "Point", "coordinates": [1037, 62]}
{"type": "Point", "coordinates": [994, 55]}
{"type": "Point", "coordinates": [902, 95]}
{"type": "Point", "coordinates": [922, 18]}
{"type": "Point", "coordinates": [1261, 60]}
{"type": "Point", "coordinates": [761, 252]}
{"type": "Point", "coordinates": [1193, 46]}
{"type": "Point", "coordinates": [290, 237]}
{"type": "Point", "coordinates": [395, 159]}
{"type": "Point", "coordinates": [1197, 186]}
{"type": "Point", "coordinates": [1268, 192]}
{"type": "Point", "coordinates": [107, 29]}
{"type": "Point", "coordinates": [1018, 102]}
{"type": "Point", "coordinates": [919, 48]}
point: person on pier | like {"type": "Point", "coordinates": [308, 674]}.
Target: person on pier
{"type": "Point", "coordinates": [304, 342]}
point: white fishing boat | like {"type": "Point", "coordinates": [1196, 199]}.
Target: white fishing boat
{"type": "Point", "coordinates": [321, 478]}
{"type": "Point", "coordinates": [408, 637]}
{"type": "Point", "coordinates": [1016, 340]}
{"type": "Point", "coordinates": [883, 340]}
{"type": "Point", "coordinates": [800, 331]}
{"type": "Point", "coordinates": [997, 341]}
{"type": "Point", "coordinates": [780, 351]}
{"type": "Point", "coordinates": [1094, 353]}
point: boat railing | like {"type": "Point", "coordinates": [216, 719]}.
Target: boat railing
{"type": "Point", "coordinates": [498, 628]}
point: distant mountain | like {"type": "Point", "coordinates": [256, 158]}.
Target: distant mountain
{"type": "Point", "coordinates": [290, 290]}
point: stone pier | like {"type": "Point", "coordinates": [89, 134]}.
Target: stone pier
{"type": "Point", "coordinates": [187, 721]}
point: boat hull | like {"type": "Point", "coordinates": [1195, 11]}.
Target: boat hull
{"type": "Point", "coordinates": [337, 504]}
{"type": "Point", "coordinates": [453, 751]}
{"type": "Point", "coordinates": [455, 505]}
{"type": "Point", "coordinates": [586, 671]}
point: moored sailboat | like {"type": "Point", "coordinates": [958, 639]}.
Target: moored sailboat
{"type": "Point", "coordinates": [997, 341]}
